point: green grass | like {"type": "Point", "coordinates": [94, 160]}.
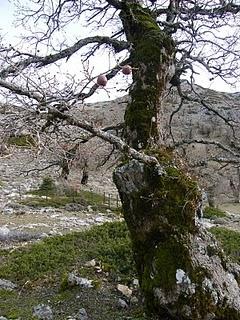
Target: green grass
{"type": "Point", "coordinates": [25, 140]}
{"type": "Point", "coordinates": [40, 268]}
{"type": "Point", "coordinates": [108, 243]}
{"type": "Point", "coordinates": [210, 212]}
{"type": "Point", "coordinates": [53, 201]}
{"type": "Point", "coordinates": [230, 241]}
{"type": "Point", "coordinates": [40, 271]}
{"type": "Point", "coordinates": [50, 195]}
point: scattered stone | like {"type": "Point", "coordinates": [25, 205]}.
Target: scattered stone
{"type": "Point", "coordinates": [90, 209]}
{"type": "Point", "coordinates": [74, 280]}
{"type": "Point", "coordinates": [221, 221]}
{"type": "Point", "coordinates": [122, 304]}
{"type": "Point", "coordinates": [91, 263]}
{"type": "Point", "coordinates": [74, 207]}
{"type": "Point", "coordinates": [135, 283]}
{"type": "Point", "coordinates": [100, 219]}
{"type": "Point", "coordinates": [4, 232]}
{"type": "Point", "coordinates": [17, 208]}
{"type": "Point", "coordinates": [82, 314]}
{"type": "Point", "coordinates": [124, 290]}
{"type": "Point", "coordinates": [98, 269]}
{"type": "Point", "coordinates": [133, 300]}
{"type": "Point", "coordinates": [235, 219]}
{"type": "Point", "coordinates": [3, 318]}
{"type": "Point", "coordinates": [7, 285]}
{"type": "Point", "coordinates": [43, 312]}
{"type": "Point", "coordinates": [7, 211]}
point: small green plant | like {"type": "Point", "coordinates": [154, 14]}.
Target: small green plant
{"type": "Point", "coordinates": [24, 140]}
{"type": "Point", "coordinates": [47, 187]}
{"type": "Point", "coordinates": [210, 212]}
{"type": "Point", "coordinates": [230, 241]}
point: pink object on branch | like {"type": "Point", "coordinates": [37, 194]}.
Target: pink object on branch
{"type": "Point", "coordinates": [102, 80]}
{"type": "Point", "coordinates": [127, 69]}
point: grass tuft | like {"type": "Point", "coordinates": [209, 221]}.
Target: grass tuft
{"type": "Point", "coordinates": [210, 212]}
{"type": "Point", "coordinates": [24, 140]}
{"type": "Point", "coordinates": [230, 241]}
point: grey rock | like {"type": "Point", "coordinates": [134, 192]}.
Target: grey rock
{"type": "Point", "coordinates": [125, 290]}
{"type": "Point", "coordinates": [74, 207]}
{"type": "Point", "coordinates": [9, 235]}
{"type": "Point", "coordinates": [100, 219]}
{"type": "Point", "coordinates": [221, 221]}
{"type": "Point", "coordinates": [135, 283]}
{"type": "Point", "coordinates": [122, 304]}
{"type": "Point", "coordinates": [3, 318]}
{"type": "Point", "coordinates": [82, 314]}
{"type": "Point", "coordinates": [43, 312]}
{"type": "Point", "coordinates": [74, 280]}
{"type": "Point", "coordinates": [133, 300]}
{"type": "Point", "coordinates": [7, 285]}
{"type": "Point", "coordinates": [4, 232]}
{"type": "Point", "coordinates": [91, 263]}
{"type": "Point", "coordinates": [7, 211]}
{"type": "Point", "coordinates": [19, 208]}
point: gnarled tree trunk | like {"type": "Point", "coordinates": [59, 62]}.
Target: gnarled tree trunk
{"type": "Point", "coordinates": [183, 273]}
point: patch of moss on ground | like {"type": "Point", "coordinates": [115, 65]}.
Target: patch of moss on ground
{"type": "Point", "coordinates": [108, 243]}
{"type": "Point", "coordinates": [210, 212]}
{"type": "Point", "coordinates": [230, 241]}
{"type": "Point", "coordinates": [24, 140]}
{"type": "Point", "coordinates": [40, 268]}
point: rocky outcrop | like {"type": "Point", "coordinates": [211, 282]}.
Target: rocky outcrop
{"type": "Point", "coordinates": [204, 134]}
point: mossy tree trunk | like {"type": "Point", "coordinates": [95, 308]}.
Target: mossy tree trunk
{"type": "Point", "coordinates": [183, 273]}
{"type": "Point", "coordinates": [152, 57]}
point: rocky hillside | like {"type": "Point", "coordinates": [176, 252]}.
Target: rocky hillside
{"type": "Point", "coordinates": [205, 134]}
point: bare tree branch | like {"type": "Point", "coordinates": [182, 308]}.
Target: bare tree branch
{"type": "Point", "coordinates": [114, 140]}
{"type": "Point", "coordinates": [17, 67]}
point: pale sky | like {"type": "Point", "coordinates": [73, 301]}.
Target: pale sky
{"type": "Point", "coordinates": [100, 65]}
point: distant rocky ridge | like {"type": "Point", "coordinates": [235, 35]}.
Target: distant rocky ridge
{"type": "Point", "coordinates": [218, 123]}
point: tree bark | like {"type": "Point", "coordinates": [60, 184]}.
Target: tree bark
{"type": "Point", "coordinates": [152, 57]}
{"type": "Point", "coordinates": [183, 273]}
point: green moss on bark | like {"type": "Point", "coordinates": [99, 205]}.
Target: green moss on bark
{"type": "Point", "coordinates": [151, 56]}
